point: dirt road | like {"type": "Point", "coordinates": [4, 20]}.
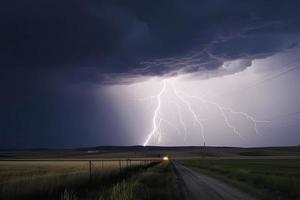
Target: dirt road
{"type": "Point", "coordinates": [199, 186]}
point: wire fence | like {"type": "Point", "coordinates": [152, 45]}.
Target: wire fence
{"type": "Point", "coordinates": [71, 166]}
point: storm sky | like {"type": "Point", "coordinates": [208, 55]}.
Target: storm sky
{"type": "Point", "coordinates": [86, 73]}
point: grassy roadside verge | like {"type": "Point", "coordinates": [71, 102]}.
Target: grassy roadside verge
{"type": "Point", "coordinates": [158, 182]}
{"type": "Point", "coordinates": [268, 179]}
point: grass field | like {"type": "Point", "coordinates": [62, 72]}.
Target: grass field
{"type": "Point", "coordinates": [158, 182]}
{"type": "Point", "coordinates": [69, 180]}
{"type": "Point", "coordinates": [267, 178]}
{"type": "Point", "coordinates": [51, 179]}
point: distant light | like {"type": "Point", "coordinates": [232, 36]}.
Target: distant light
{"type": "Point", "coordinates": [165, 158]}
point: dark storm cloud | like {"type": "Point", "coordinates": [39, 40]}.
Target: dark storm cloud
{"type": "Point", "coordinates": [132, 38]}
{"type": "Point", "coordinates": [50, 47]}
{"type": "Point", "coordinates": [38, 109]}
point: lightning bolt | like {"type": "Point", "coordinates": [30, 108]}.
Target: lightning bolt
{"type": "Point", "coordinates": [179, 112]}
{"type": "Point", "coordinates": [183, 99]}
{"type": "Point", "coordinates": [156, 129]}
{"type": "Point", "coordinates": [189, 106]}
{"type": "Point", "coordinates": [223, 111]}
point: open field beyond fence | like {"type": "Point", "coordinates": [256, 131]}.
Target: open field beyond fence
{"type": "Point", "coordinates": [49, 178]}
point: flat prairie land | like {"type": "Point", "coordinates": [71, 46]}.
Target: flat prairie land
{"type": "Point", "coordinates": [14, 171]}
{"type": "Point", "coordinates": [266, 178]}
{"type": "Point", "coordinates": [267, 172]}
{"type": "Point", "coordinates": [43, 179]}
{"type": "Point", "coordinates": [153, 152]}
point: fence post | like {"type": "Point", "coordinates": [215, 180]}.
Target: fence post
{"type": "Point", "coordinates": [90, 170]}
{"type": "Point", "coordinates": [120, 167]}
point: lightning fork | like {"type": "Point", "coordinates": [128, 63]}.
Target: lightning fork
{"type": "Point", "coordinates": [188, 105]}
{"type": "Point", "coordinates": [181, 119]}
{"type": "Point", "coordinates": [222, 110]}
{"type": "Point", "coordinates": [156, 129]}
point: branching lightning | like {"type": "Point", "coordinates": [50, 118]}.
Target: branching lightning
{"type": "Point", "coordinates": [189, 106]}
{"type": "Point", "coordinates": [156, 129]}
{"type": "Point", "coordinates": [223, 111]}
{"type": "Point", "coordinates": [183, 102]}
{"type": "Point", "coordinates": [181, 119]}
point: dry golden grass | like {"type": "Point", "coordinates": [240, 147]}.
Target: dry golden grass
{"type": "Point", "coordinates": [38, 177]}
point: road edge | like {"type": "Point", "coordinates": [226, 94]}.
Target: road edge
{"type": "Point", "coordinates": [181, 182]}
